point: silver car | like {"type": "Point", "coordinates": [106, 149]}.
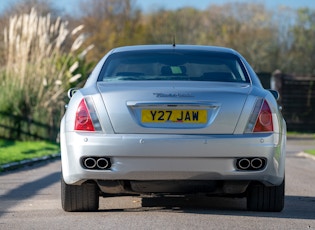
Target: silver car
{"type": "Point", "coordinates": [173, 119]}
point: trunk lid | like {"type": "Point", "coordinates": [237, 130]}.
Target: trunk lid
{"type": "Point", "coordinates": [174, 107]}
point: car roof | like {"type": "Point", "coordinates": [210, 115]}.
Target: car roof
{"type": "Point", "coordinates": [175, 47]}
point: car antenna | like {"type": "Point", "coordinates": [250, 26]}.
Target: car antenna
{"type": "Point", "coordinates": [174, 42]}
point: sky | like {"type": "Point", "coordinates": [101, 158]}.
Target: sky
{"type": "Point", "coordinates": [149, 5]}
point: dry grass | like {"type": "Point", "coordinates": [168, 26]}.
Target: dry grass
{"type": "Point", "coordinates": [38, 69]}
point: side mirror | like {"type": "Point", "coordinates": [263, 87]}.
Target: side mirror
{"type": "Point", "coordinates": [71, 92]}
{"type": "Point", "coordinates": [275, 93]}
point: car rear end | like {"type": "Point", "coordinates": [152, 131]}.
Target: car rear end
{"type": "Point", "coordinates": [173, 121]}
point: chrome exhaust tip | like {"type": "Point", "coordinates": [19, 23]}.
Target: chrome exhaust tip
{"type": "Point", "coordinates": [251, 163]}
{"type": "Point", "coordinates": [96, 163]}
{"type": "Point", "coordinates": [256, 163]}
{"type": "Point", "coordinates": [243, 163]}
{"type": "Point", "coordinates": [102, 163]}
{"type": "Point", "coordinates": [89, 163]}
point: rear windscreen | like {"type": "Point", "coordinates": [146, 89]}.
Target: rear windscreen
{"type": "Point", "coordinates": [173, 65]}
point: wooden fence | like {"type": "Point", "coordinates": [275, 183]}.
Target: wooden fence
{"type": "Point", "coordinates": [20, 128]}
{"type": "Point", "coordinates": [297, 98]}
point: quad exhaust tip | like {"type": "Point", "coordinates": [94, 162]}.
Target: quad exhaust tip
{"type": "Point", "coordinates": [252, 163]}
{"type": "Point", "coordinates": [98, 163]}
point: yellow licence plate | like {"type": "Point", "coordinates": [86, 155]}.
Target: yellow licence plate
{"type": "Point", "coordinates": [181, 116]}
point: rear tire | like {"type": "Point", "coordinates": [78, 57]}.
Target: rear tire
{"type": "Point", "coordinates": [264, 198]}
{"type": "Point", "coordinates": [75, 198]}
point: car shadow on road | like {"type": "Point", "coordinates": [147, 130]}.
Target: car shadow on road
{"type": "Point", "coordinates": [296, 207]}
{"type": "Point", "coordinates": [26, 191]}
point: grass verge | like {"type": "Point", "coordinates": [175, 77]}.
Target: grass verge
{"type": "Point", "coordinates": [311, 151]}
{"type": "Point", "coordinates": [15, 151]}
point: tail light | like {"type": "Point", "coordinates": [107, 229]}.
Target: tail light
{"type": "Point", "coordinates": [261, 118]}
{"type": "Point", "coordinates": [86, 118]}
{"type": "Point", "coordinates": [264, 120]}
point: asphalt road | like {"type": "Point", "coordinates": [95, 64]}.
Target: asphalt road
{"type": "Point", "coordinates": [30, 199]}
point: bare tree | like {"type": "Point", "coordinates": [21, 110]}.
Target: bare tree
{"type": "Point", "coordinates": [110, 23]}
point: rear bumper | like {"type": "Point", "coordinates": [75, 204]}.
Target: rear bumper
{"type": "Point", "coordinates": [172, 157]}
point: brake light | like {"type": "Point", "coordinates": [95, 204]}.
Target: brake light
{"type": "Point", "coordinates": [83, 121]}
{"type": "Point", "coordinates": [261, 118]}
{"type": "Point", "coordinates": [264, 120]}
